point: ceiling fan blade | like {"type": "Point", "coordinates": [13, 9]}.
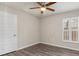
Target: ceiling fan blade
{"type": "Point", "coordinates": [41, 12]}
{"type": "Point", "coordinates": [50, 9]}
{"type": "Point", "coordinates": [35, 8]}
{"type": "Point", "coordinates": [39, 3]}
{"type": "Point", "coordinates": [50, 3]}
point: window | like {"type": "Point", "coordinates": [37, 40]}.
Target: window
{"type": "Point", "coordinates": [70, 29]}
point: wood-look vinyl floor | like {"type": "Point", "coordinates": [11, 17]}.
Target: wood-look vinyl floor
{"type": "Point", "coordinates": [43, 50]}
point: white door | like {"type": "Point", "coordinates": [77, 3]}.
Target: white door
{"type": "Point", "coordinates": [9, 43]}
{"type": "Point", "coordinates": [1, 32]}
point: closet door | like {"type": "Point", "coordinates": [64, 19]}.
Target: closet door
{"type": "Point", "coordinates": [8, 32]}
{"type": "Point", "coordinates": [1, 32]}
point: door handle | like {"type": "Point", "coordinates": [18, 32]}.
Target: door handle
{"type": "Point", "coordinates": [14, 35]}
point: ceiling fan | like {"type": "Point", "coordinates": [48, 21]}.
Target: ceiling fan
{"type": "Point", "coordinates": [44, 6]}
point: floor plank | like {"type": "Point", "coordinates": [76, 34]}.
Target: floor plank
{"type": "Point", "coordinates": [43, 50]}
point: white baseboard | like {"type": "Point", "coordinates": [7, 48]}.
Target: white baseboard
{"type": "Point", "coordinates": [60, 46]}
{"type": "Point", "coordinates": [27, 46]}
{"type": "Point", "coordinates": [48, 44]}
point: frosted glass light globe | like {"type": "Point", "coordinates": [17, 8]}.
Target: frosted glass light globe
{"type": "Point", "coordinates": [43, 9]}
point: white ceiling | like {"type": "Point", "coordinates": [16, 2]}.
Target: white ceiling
{"type": "Point", "coordinates": [59, 7]}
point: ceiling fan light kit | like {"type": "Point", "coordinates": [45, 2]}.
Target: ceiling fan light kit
{"type": "Point", "coordinates": [43, 7]}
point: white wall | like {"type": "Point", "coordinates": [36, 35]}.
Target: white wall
{"type": "Point", "coordinates": [27, 27]}
{"type": "Point", "coordinates": [28, 30]}
{"type": "Point", "coordinates": [51, 30]}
